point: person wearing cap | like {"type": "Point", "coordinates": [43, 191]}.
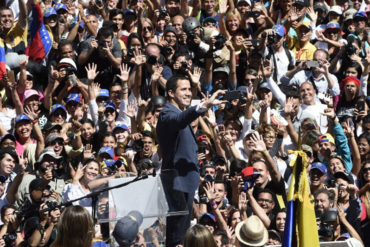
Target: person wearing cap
{"type": "Point", "coordinates": [243, 6]}
{"type": "Point", "coordinates": [280, 57]}
{"type": "Point", "coordinates": [169, 43]}
{"type": "Point", "coordinates": [348, 22]}
{"type": "Point", "coordinates": [127, 228]}
{"type": "Point", "coordinates": [334, 13]}
{"type": "Point", "coordinates": [210, 22]}
{"type": "Point", "coordinates": [331, 39]}
{"type": "Point", "coordinates": [318, 174]}
{"type": "Point", "coordinates": [7, 140]}
{"type": "Point", "coordinates": [209, 221]}
{"type": "Point", "coordinates": [121, 132]}
{"type": "Point", "coordinates": [350, 98]}
{"type": "Point", "coordinates": [44, 166]}
{"type": "Point", "coordinates": [302, 48]}
{"type": "Point", "coordinates": [207, 8]}
{"type": "Point", "coordinates": [58, 114]}
{"type": "Point", "coordinates": [360, 19]}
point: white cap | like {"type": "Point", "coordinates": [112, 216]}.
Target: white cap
{"type": "Point", "coordinates": [336, 9]}
{"type": "Point", "coordinates": [68, 61]}
{"type": "Point", "coordinates": [248, 2]}
{"type": "Point", "coordinates": [19, 75]}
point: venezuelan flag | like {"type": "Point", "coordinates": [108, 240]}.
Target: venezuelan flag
{"type": "Point", "coordinates": [300, 225]}
{"type": "Point", "coordinates": [2, 59]}
{"type": "Point", "coordinates": [41, 41]}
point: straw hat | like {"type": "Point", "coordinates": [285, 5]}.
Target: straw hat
{"type": "Point", "coordinates": [252, 232]}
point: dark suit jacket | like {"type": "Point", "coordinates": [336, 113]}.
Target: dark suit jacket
{"type": "Point", "coordinates": [178, 146]}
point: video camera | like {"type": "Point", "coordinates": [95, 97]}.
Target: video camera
{"type": "Point", "coordinates": [249, 177]}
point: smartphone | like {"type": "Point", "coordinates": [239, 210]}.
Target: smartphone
{"type": "Point", "coordinates": [312, 64]}
{"type": "Point", "coordinates": [201, 149]}
{"type": "Point", "coordinates": [254, 42]}
{"type": "Point", "coordinates": [360, 106]}
{"type": "Point", "coordinates": [232, 95]}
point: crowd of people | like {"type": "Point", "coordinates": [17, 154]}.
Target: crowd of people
{"type": "Point", "coordinates": [103, 89]}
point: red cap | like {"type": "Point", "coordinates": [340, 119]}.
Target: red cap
{"type": "Point", "coordinates": [248, 171]}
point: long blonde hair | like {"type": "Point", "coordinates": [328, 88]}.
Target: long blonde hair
{"type": "Point", "coordinates": [75, 228]}
{"type": "Point", "coordinates": [199, 236]}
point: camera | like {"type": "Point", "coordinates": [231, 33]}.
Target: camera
{"type": "Point", "coordinates": [52, 204]}
{"type": "Point", "coordinates": [253, 14]}
{"type": "Point", "coordinates": [151, 59]}
{"type": "Point", "coordinates": [117, 164]}
{"type": "Point", "coordinates": [162, 13]}
{"type": "Point", "coordinates": [326, 230]}
{"type": "Point", "coordinates": [270, 39]}
{"type": "Point", "coordinates": [208, 178]}
{"type": "Point", "coordinates": [350, 49]}
{"type": "Point", "coordinates": [99, 2]}
{"type": "Point", "coordinates": [102, 43]}
{"type": "Point", "coordinates": [9, 239]}
{"type": "Point", "coordinates": [220, 41]}
{"type": "Point", "coordinates": [130, 52]}
{"type": "Point", "coordinates": [167, 50]}
{"type": "Point", "coordinates": [183, 65]}
{"type": "Point", "coordinates": [138, 145]}
{"type": "Point", "coordinates": [191, 36]}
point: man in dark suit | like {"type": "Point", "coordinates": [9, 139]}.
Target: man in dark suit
{"type": "Point", "coordinates": [180, 173]}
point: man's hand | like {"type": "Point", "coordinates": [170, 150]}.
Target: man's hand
{"type": "Point", "coordinates": [138, 58]}
{"type": "Point", "coordinates": [214, 99]}
{"type": "Point", "coordinates": [259, 144]}
{"type": "Point", "coordinates": [125, 72]}
{"type": "Point", "coordinates": [93, 44]}
{"type": "Point", "coordinates": [157, 73]}
{"type": "Point", "coordinates": [91, 71]}
{"type": "Point", "coordinates": [330, 113]}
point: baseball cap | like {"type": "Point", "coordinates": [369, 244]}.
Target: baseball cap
{"type": "Point", "coordinates": [320, 7]}
{"type": "Point", "coordinates": [19, 75]}
{"type": "Point", "coordinates": [326, 138]}
{"type": "Point", "coordinates": [127, 228]}
{"type": "Point", "coordinates": [7, 136]}
{"type": "Point", "coordinates": [319, 166]}
{"type": "Point", "coordinates": [303, 3]}
{"type": "Point", "coordinates": [279, 30]}
{"type": "Point", "coordinates": [336, 9]}
{"type": "Point", "coordinates": [250, 132]}
{"type": "Point", "coordinates": [209, 19]}
{"type": "Point", "coordinates": [121, 126]}
{"type": "Point", "coordinates": [49, 12]}
{"type": "Point", "coordinates": [52, 137]}
{"type": "Point", "coordinates": [307, 23]}
{"type": "Point", "coordinates": [56, 107]}
{"type": "Point", "coordinates": [48, 151]}
{"type": "Point", "coordinates": [333, 25]}
{"type": "Point", "coordinates": [104, 93]}
{"type": "Point", "coordinates": [65, 62]}
{"type": "Point", "coordinates": [247, 1]}
{"type": "Point", "coordinates": [360, 15]}
{"type": "Point", "coordinates": [60, 6]}
{"type": "Point", "coordinates": [224, 69]}
{"type": "Point", "coordinates": [345, 176]}
{"type": "Point", "coordinates": [348, 15]}
{"type": "Point", "coordinates": [264, 85]}
{"type": "Point", "coordinates": [129, 12]}
{"type": "Point", "coordinates": [207, 218]}
{"type": "Point", "coordinates": [22, 117]}
{"type": "Point", "coordinates": [107, 150]}
{"type": "Point", "coordinates": [30, 92]}
{"type": "Point", "coordinates": [75, 97]}
{"type": "Point", "coordinates": [110, 105]}
{"type": "Point", "coordinates": [49, 126]}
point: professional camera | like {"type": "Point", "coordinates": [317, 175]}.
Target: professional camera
{"type": "Point", "coordinates": [9, 239]}
{"type": "Point", "coordinates": [52, 204]}
{"type": "Point", "coordinates": [184, 65]}
{"type": "Point", "coordinates": [162, 13]}
{"type": "Point", "coordinates": [102, 43]}
{"type": "Point", "coordinates": [191, 36]}
{"type": "Point", "coordinates": [249, 177]}
{"type": "Point", "coordinates": [350, 49]}
{"type": "Point", "coordinates": [270, 39]}
{"type": "Point", "coordinates": [326, 230]}
{"type": "Point", "coordinates": [167, 50]}
{"type": "Point", "coordinates": [209, 178]}
{"type": "Point", "coordinates": [151, 59]}
{"type": "Point", "coordinates": [113, 166]}
{"type": "Point", "coordinates": [220, 41]}
{"type": "Point", "coordinates": [253, 14]}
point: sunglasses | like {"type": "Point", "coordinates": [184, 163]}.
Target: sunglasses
{"type": "Point", "coordinates": [59, 142]}
{"type": "Point", "coordinates": [149, 28]}
{"type": "Point", "coordinates": [365, 170]}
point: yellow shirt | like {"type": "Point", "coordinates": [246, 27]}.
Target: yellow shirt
{"type": "Point", "coordinates": [302, 53]}
{"type": "Point", "coordinates": [16, 39]}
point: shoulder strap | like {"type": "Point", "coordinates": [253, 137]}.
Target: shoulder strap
{"type": "Point", "coordinates": [310, 79]}
{"type": "Point", "coordinates": [290, 58]}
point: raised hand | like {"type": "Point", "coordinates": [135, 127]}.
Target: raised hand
{"type": "Point", "coordinates": [242, 205]}
{"type": "Point", "coordinates": [329, 112]}
{"type": "Point", "coordinates": [138, 58]}
{"type": "Point", "coordinates": [94, 90]}
{"type": "Point", "coordinates": [91, 71]}
{"type": "Point", "coordinates": [79, 173]}
{"type": "Point", "coordinates": [23, 63]}
{"type": "Point", "coordinates": [195, 77]}
{"type": "Point", "coordinates": [31, 113]}
{"type": "Point", "coordinates": [209, 188]}
{"type": "Point", "coordinates": [88, 153]}
{"type": "Point", "coordinates": [258, 143]}
{"type": "Point", "coordinates": [311, 14]}
{"type": "Point", "coordinates": [157, 73]}
{"type": "Point", "coordinates": [249, 94]}
{"type": "Point", "coordinates": [131, 110]}
{"type": "Point", "coordinates": [267, 69]}
{"type": "Point", "coordinates": [213, 100]}
{"type": "Point", "coordinates": [54, 74]}
{"type": "Point", "coordinates": [125, 72]}
{"type": "Point", "coordinates": [289, 107]}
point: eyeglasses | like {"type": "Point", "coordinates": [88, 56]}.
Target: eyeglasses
{"type": "Point", "coordinates": [269, 137]}
{"type": "Point", "coordinates": [59, 142]}
{"type": "Point", "coordinates": [264, 200]}
{"type": "Point", "coordinates": [116, 92]}
{"type": "Point", "coordinates": [149, 28]}
{"type": "Point", "coordinates": [365, 170]}
{"type": "Point", "coordinates": [250, 80]}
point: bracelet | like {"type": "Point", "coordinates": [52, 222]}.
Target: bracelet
{"type": "Point", "coordinates": [35, 121]}
{"type": "Point", "coordinates": [77, 133]}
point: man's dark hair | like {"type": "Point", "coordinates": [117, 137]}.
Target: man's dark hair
{"type": "Point", "coordinates": [237, 166]}
{"type": "Point", "coordinates": [115, 12]}
{"type": "Point", "coordinates": [187, 55]}
{"type": "Point", "coordinates": [172, 83]}
{"type": "Point", "coordinates": [221, 181]}
{"type": "Point", "coordinates": [105, 32]}
{"type": "Point", "coordinates": [5, 207]}
{"type": "Point", "coordinates": [147, 133]}
{"type": "Point", "coordinates": [222, 233]}
{"type": "Point", "coordinates": [325, 191]}
{"type": "Point", "coordinates": [63, 43]}
{"type": "Point", "coordinates": [267, 191]}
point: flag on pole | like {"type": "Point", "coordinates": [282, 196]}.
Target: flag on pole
{"type": "Point", "coordinates": [300, 225]}
{"type": "Point", "coordinates": [41, 41]}
{"type": "Point", "coordinates": [2, 59]}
